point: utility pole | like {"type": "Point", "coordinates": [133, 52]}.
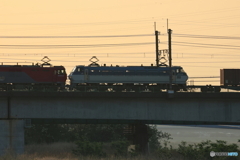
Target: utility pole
{"type": "Point", "coordinates": [170, 57]}
{"type": "Point", "coordinates": [157, 49]}
{"type": "Point", "coordinates": [156, 41]}
{"type": "Point", "coordinates": [167, 25]}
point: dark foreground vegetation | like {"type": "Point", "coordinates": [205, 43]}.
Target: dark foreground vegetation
{"type": "Point", "coordinates": [110, 142]}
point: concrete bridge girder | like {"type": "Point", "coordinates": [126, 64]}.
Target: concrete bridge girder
{"type": "Point", "coordinates": [126, 108]}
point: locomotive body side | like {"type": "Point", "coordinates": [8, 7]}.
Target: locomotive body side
{"type": "Point", "coordinates": [32, 75]}
{"type": "Point", "coordinates": [83, 75]}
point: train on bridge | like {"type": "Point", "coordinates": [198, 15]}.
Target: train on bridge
{"type": "Point", "coordinates": [102, 78]}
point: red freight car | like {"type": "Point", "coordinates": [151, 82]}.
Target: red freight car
{"type": "Point", "coordinates": [230, 77]}
{"type": "Point", "coordinates": [31, 76]}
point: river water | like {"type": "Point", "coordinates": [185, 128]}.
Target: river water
{"type": "Point", "coordinates": [198, 133]}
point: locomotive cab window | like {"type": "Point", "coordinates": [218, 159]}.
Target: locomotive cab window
{"type": "Point", "coordinates": [60, 71]}
{"type": "Point", "coordinates": [79, 70]}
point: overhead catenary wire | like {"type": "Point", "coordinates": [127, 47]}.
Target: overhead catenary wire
{"type": "Point", "coordinates": [136, 35]}
{"type": "Point", "coordinates": [205, 45]}
{"type": "Point", "coordinates": [148, 53]}
{"type": "Point", "coordinates": [206, 36]}
{"type": "Point", "coordinates": [100, 36]}
{"type": "Point", "coordinates": [64, 60]}
{"type": "Point", "coordinates": [75, 46]}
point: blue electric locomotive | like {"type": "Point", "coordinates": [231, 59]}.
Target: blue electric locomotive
{"type": "Point", "coordinates": [128, 76]}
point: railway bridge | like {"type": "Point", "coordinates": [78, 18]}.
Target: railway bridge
{"type": "Point", "coordinates": [17, 108]}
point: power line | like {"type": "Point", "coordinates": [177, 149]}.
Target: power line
{"type": "Point", "coordinates": [219, 45]}
{"type": "Point", "coordinates": [146, 53]}
{"type": "Point", "coordinates": [206, 45]}
{"type": "Point", "coordinates": [104, 36]}
{"type": "Point", "coordinates": [75, 46]}
{"type": "Point", "coordinates": [206, 36]}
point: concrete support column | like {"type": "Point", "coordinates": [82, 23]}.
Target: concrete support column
{"type": "Point", "coordinates": [141, 137]}
{"type": "Point", "coordinates": [11, 136]}
{"type": "Point", "coordinates": [138, 135]}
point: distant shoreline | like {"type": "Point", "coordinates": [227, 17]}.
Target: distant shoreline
{"type": "Point", "coordinates": [207, 126]}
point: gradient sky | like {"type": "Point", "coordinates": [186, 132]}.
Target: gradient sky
{"type": "Point", "coordinates": [216, 21]}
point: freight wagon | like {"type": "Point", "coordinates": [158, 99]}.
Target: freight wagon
{"type": "Point", "coordinates": [230, 77]}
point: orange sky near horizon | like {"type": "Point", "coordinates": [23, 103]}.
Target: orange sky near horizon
{"type": "Point", "coordinates": [200, 56]}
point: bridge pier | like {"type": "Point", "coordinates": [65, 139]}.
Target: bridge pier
{"type": "Point", "coordinates": [138, 135]}
{"type": "Point", "coordinates": [141, 137]}
{"type": "Point", "coordinates": [11, 136]}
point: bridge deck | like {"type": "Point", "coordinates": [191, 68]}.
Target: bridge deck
{"type": "Point", "coordinates": [177, 95]}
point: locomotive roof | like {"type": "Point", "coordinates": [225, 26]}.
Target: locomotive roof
{"type": "Point", "coordinates": [127, 66]}
{"type": "Point", "coordinates": [130, 67]}
{"type": "Point", "coordinates": [35, 66]}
